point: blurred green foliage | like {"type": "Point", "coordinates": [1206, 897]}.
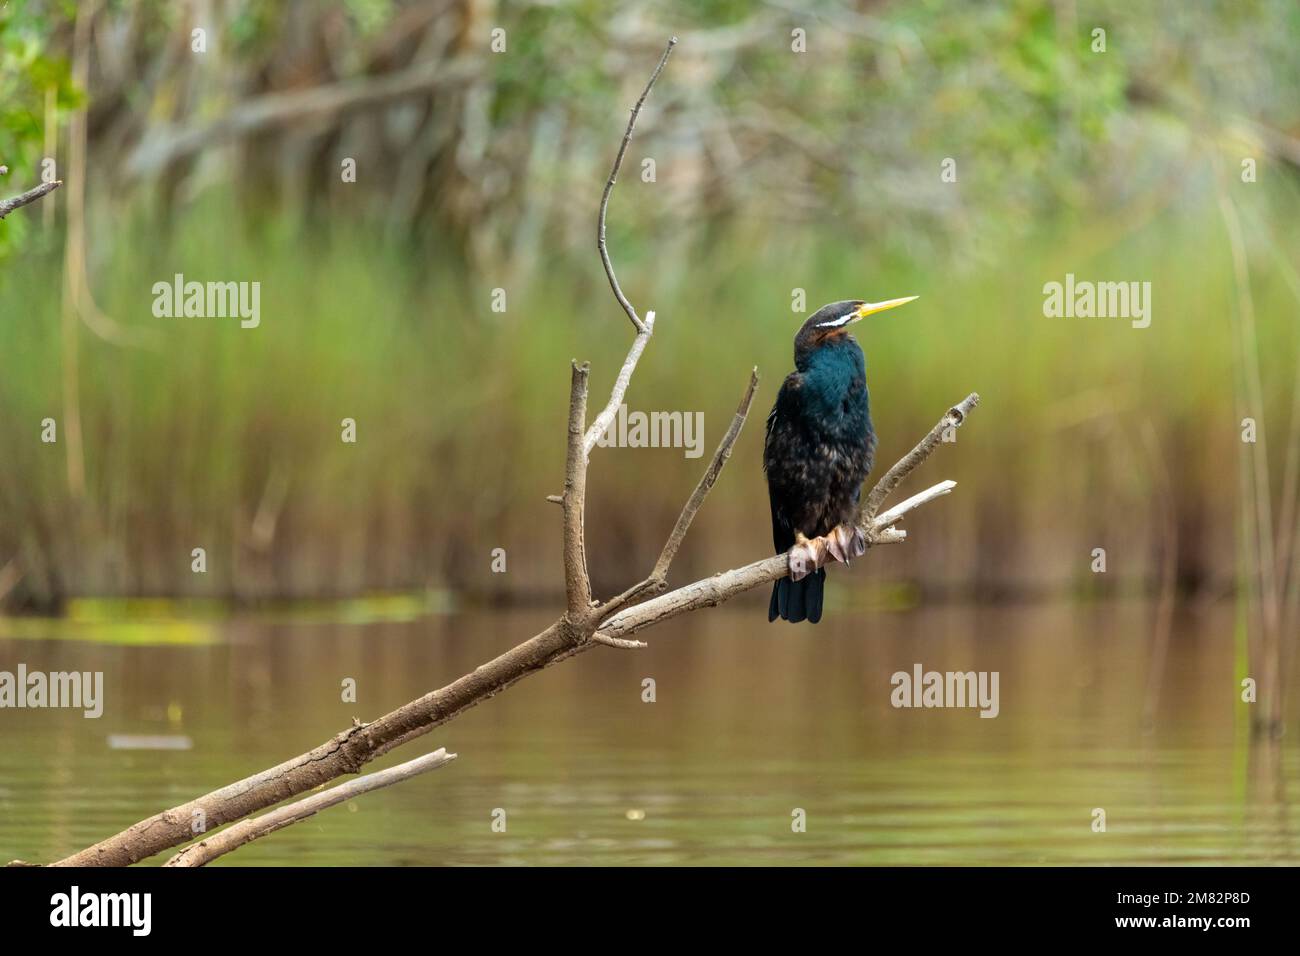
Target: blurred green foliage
{"type": "Point", "coordinates": [776, 171]}
{"type": "Point", "coordinates": [460, 410]}
{"type": "Point", "coordinates": [30, 74]}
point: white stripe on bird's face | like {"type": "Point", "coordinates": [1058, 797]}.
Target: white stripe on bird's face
{"type": "Point", "coordinates": [865, 309]}
{"type": "Point", "coordinates": [844, 319]}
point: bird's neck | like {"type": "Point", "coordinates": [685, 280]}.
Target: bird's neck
{"type": "Point", "coordinates": [832, 355]}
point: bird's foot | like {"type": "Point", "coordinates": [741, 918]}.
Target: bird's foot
{"type": "Point", "coordinates": [807, 555]}
{"type": "Point", "coordinates": [846, 542]}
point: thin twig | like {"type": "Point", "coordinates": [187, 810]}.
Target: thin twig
{"type": "Point", "coordinates": [17, 202]}
{"type": "Point", "coordinates": [884, 522]}
{"type": "Point", "coordinates": [707, 480]}
{"type": "Point", "coordinates": [644, 329]}
{"type": "Point", "coordinates": [609, 188]}
{"type": "Point", "coordinates": [606, 417]}
{"type": "Point", "coordinates": [350, 749]}
{"type": "Point", "coordinates": [577, 631]}
{"type": "Point", "coordinates": [618, 642]}
{"type": "Point", "coordinates": [712, 591]}
{"type": "Point", "coordinates": [908, 463]}
{"type": "Point", "coordinates": [658, 577]}
{"type": "Point", "coordinates": [246, 831]}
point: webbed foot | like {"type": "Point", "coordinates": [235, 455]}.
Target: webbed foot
{"type": "Point", "coordinates": [807, 555]}
{"type": "Point", "coordinates": [846, 542]}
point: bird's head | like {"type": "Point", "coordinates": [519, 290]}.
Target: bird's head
{"type": "Point", "coordinates": [831, 322]}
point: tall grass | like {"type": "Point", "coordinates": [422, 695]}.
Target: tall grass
{"type": "Point", "coordinates": [229, 439]}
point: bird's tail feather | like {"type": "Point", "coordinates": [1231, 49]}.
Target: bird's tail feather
{"type": "Point", "coordinates": [796, 601]}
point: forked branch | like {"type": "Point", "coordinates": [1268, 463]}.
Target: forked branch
{"type": "Point", "coordinates": [246, 831]}
{"type": "Point", "coordinates": [725, 585]}
{"type": "Point", "coordinates": [658, 578]}
{"type": "Point", "coordinates": [909, 462]}
{"type": "Point", "coordinates": [585, 625]}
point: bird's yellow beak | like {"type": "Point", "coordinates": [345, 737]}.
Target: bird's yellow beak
{"type": "Point", "coordinates": [871, 308]}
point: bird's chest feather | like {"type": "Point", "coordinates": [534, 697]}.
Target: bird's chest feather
{"type": "Point", "coordinates": [824, 442]}
{"type": "Point", "coordinates": [835, 408]}
{"type": "Point", "coordinates": [835, 403]}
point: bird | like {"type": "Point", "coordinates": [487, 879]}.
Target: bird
{"type": "Point", "coordinates": [818, 449]}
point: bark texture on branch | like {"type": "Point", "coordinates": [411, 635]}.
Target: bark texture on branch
{"type": "Point", "coordinates": [606, 417]}
{"type": "Point", "coordinates": [658, 577]}
{"type": "Point", "coordinates": [351, 749]}
{"type": "Point", "coordinates": [587, 623]}
{"type": "Point", "coordinates": [23, 199]}
{"type": "Point", "coordinates": [246, 831]}
{"type": "Point", "coordinates": [344, 753]}
{"type": "Point", "coordinates": [909, 462]}
{"type": "Point", "coordinates": [725, 585]}
{"type": "Point", "coordinates": [577, 585]}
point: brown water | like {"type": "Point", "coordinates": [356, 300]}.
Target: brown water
{"type": "Point", "coordinates": [751, 721]}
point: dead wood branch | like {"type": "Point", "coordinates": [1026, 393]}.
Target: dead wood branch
{"type": "Point", "coordinates": [587, 623]}
{"type": "Point", "coordinates": [606, 417]}
{"type": "Point", "coordinates": [909, 462]}
{"type": "Point", "coordinates": [351, 749]}
{"type": "Point", "coordinates": [167, 144]}
{"type": "Point", "coordinates": [609, 188]}
{"type": "Point", "coordinates": [17, 202]}
{"type": "Point", "coordinates": [246, 831]}
{"type": "Point", "coordinates": [712, 591]}
{"type": "Point", "coordinates": [658, 578]}
{"type": "Point", "coordinates": [577, 586]}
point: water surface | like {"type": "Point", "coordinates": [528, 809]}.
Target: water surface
{"type": "Point", "coordinates": [750, 723]}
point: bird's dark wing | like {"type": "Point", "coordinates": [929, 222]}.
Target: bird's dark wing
{"type": "Point", "coordinates": [784, 412]}
{"type": "Point", "coordinates": [767, 430]}
{"type": "Point", "coordinates": [784, 460]}
{"type": "Point", "coordinates": [782, 422]}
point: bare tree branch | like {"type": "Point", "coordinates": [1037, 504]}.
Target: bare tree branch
{"type": "Point", "coordinates": [581, 628]}
{"type": "Point", "coordinates": [658, 578]}
{"type": "Point", "coordinates": [710, 477]}
{"type": "Point", "coordinates": [344, 753]}
{"type": "Point", "coordinates": [606, 417]}
{"type": "Point", "coordinates": [167, 144]}
{"type": "Point", "coordinates": [351, 749]}
{"type": "Point", "coordinates": [884, 521]}
{"type": "Point", "coordinates": [17, 202]}
{"type": "Point", "coordinates": [618, 642]}
{"type": "Point", "coordinates": [246, 831]}
{"type": "Point", "coordinates": [644, 329]}
{"type": "Point", "coordinates": [609, 188]}
{"type": "Point", "coordinates": [712, 591]}
{"type": "Point", "coordinates": [905, 466]}
{"type": "Point", "coordinates": [577, 586]}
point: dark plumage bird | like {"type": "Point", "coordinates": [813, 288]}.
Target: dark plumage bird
{"type": "Point", "coordinates": [819, 448]}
